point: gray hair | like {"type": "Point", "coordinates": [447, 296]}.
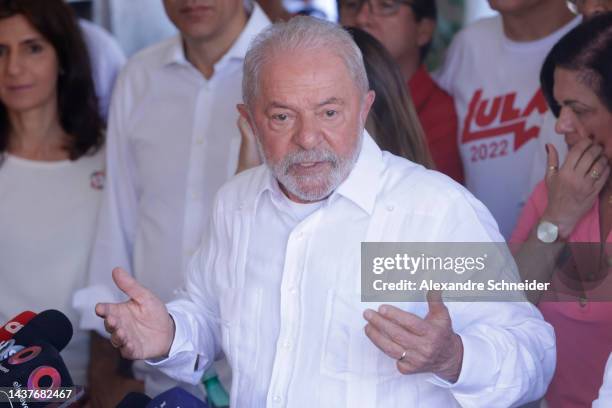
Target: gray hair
{"type": "Point", "coordinates": [301, 33]}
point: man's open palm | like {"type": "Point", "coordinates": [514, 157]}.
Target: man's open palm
{"type": "Point", "coordinates": [140, 328]}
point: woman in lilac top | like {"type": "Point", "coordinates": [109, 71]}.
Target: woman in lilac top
{"type": "Point", "coordinates": [573, 204]}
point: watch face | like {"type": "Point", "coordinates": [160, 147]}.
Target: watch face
{"type": "Point", "coordinates": [547, 232]}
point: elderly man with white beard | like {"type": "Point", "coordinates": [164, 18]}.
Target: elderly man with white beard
{"type": "Point", "coordinates": [276, 284]}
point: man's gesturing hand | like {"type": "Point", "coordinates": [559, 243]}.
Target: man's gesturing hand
{"type": "Point", "coordinates": [140, 328]}
{"type": "Point", "coordinates": [419, 345]}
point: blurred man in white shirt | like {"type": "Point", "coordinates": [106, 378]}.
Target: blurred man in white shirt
{"type": "Point", "coordinates": [172, 142]}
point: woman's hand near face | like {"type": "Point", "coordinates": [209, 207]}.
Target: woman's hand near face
{"type": "Point", "coordinates": [574, 187]}
{"type": "Point", "coordinates": [249, 154]}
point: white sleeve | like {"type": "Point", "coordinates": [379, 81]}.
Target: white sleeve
{"type": "Point", "coordinates": [605, 392]}
{"type": "Point", "coordinates": [117, 219]}
{"type": "Point", "coordinates": [509, 352]}
{"type": "Point", "coordinates": [197, 338]}
{"type": "Point", "coordinates": [509, 355]}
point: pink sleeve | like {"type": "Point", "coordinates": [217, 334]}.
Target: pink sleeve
{"type": "Point", "coordinates": [532, 211]}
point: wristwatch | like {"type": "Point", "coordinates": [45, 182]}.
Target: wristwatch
{"type": "Point", "coordinates": [547, 232]}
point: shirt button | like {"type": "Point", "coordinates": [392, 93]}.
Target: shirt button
{"type": "Point", "coordinates": [277, 399]}
{"type": "Point", "coordinates": [287, 345]}
{"type": "Point", "coordinates": [390, 207]}
{"type": "Point", "coordinates": [292, 290]}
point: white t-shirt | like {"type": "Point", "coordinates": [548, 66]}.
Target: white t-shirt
{"type": "Point", "coordinates": [47, 221]}
{"type": "Point", "coordinates": [504, 121]}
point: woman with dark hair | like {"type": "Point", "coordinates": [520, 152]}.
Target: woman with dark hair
{"type": "Point", "coordinates": [51, 163]}
{"type": "Point", "coordinates": [573, 204]}
{"type": "Point", "coordinates": [392, 122]}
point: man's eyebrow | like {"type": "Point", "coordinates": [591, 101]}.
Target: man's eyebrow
{"type": "Point", "coordinates": [331, 101]}
{"type": "Point", "coordinates": [278, 105]}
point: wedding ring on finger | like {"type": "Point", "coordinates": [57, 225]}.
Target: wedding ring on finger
{"type": "Point", "coordinates": [403, 356]}
{"type": "Point", "coordinates": [552, 169]}
{"type": "Point", "coordinates": [595, 174]}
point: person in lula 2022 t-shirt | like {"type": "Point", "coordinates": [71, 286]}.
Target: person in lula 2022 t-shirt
{"type": "Point", "coordinates": [492, 70]}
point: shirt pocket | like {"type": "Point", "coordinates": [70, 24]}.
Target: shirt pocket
{"type": "Point", "coordinates": [240, 311]}
{"type": "Point", "coordinates": [348, 353]}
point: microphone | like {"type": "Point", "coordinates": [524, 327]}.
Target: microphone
{"type": "Point", "coordinates": [9, 329]}
{"type": "Point", "coordinates": [176, 398]}
{"type": "Point", "coordinates": [14, 325]}
{"type": "Point", "coordinates": [134, 400]}
{"type": "Point", "coordinates": [51, 326]}
{"type": "Point", "coordinates": [31, 360]}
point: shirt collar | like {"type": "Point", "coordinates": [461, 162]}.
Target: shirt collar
{"type": "Point", "coordinates": [256, 23]}
{"type": "Point", "coordinates": [363, 183]}
{"type": "Point", "coordinates": [175, 54]}
{"type": "Point", "coordinates": [360, 187]}
{"type": "Point", "coordinates": [258, 20]}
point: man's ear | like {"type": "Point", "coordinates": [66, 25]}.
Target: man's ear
{"type": "Point", "coordinates": [425, 31]}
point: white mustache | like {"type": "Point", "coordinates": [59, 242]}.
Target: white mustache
{"type": "Point", "coordinates": [309, 156]}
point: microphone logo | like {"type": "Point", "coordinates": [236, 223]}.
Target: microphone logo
{"type": "Point", "coordinates": [25, 355]}
{"type": "Point", "coordinates": [9, 348]}
{"type": "Point", "coordinates": [13, 327]}
{"type": "Point", "coordinates": [44, 372]}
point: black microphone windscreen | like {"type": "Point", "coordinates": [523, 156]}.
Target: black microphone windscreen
{"type": "Point", "coordinates": [38, 366]}
{"type": "Point", "coordinates": [51, 325]}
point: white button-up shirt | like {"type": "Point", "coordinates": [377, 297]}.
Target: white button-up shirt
{"type": "Point", "coordinates": [172, 142]}
{"type": "Point", "coordinates": [279, 292]}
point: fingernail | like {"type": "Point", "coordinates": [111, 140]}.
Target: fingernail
{"type": "Point", "coordinates": [383, 310]}
{"type": "Point", "coordinates": [368, 314]}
